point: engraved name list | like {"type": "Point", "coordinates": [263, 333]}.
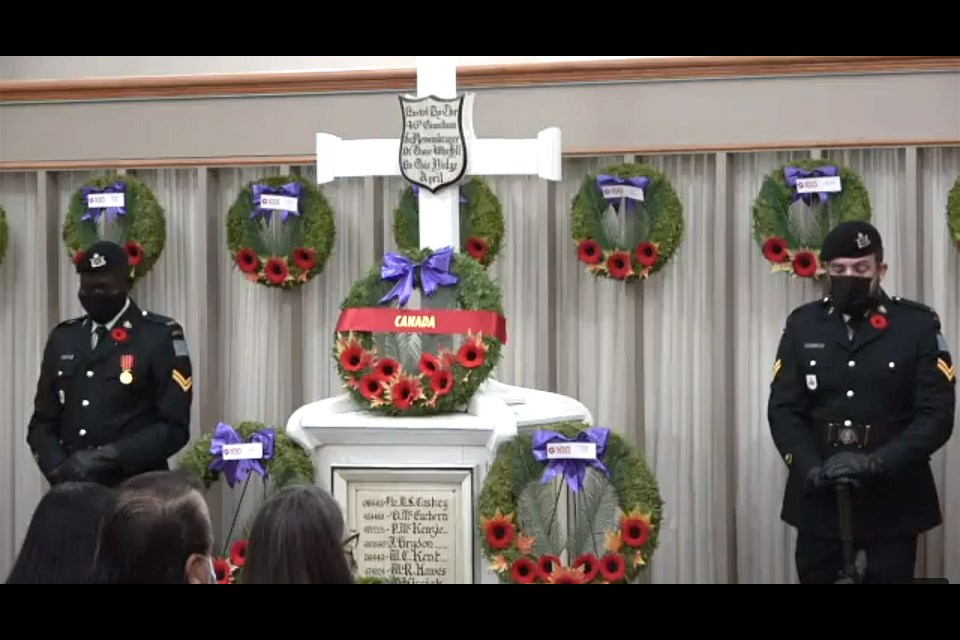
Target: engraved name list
{"type": "Point", "coordinates": [407, 536]}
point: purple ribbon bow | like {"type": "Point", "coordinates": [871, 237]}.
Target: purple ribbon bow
{"type": "Point", "coordinates": [434, 273]}
{"type": "Point", "coordinates": [236, 470]}
{"type": "Point", "coordinates": [605, 180]}
{"type": "Point", "coordinates": [416, 193]}
{"type": "Point", "coordinates": [792, 174]}
{"type": "Point", "coordinates": [95, 212]}
{"type": "Point", "coordinates": [573, 470]}
{"type": "Point", "coordinates": [291, 190]}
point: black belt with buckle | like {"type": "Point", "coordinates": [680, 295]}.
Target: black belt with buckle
{"type": "Point", "coordinates": [846, 433]}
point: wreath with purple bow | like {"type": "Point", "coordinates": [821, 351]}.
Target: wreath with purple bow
{"type": "Point", "coordinates": [609, 534]}
{"type": "Point", "coordinates": [798, 204]}
{"type": "Point", "coordinates": [627, 222]}
{"type": "Point", "coordinates": [280, 231]}
{"type": "Point", "coordinates": [122, 209]}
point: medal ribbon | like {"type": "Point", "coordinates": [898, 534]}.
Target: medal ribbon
{"type": "Point", "coordinates": [126, 362]}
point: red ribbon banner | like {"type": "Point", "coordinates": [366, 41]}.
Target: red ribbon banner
{"type": "Point", "coordinates": [449, 321]}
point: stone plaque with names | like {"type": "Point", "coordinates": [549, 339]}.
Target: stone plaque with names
{"type": "Point", "coordinates": [433, 146]}
{"type": "Point", "coordinates": [415, 526]}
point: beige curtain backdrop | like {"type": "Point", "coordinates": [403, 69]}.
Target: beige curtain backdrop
{"type": "Point", "coordinates": [681, 365]}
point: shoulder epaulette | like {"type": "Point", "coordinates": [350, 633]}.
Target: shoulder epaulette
{"type": "Point", "coordinates": [67, 323]}
{"type": "Point", "coordinates": [913, 304]}
{"type": "Point", "coordinates": [156, 318]}
{"type": "Point", "coordinates": [807, 306]}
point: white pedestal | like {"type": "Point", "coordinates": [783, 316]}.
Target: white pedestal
{"type": "Point", "coordinates": [380, 468]}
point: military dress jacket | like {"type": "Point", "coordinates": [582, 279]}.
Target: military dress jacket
{"type": "Point", "coordinates": [133, 391]}
{"type": "Point", "coordinates": [890, 391]}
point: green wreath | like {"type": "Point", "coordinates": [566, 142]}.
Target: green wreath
{"type": "Point", "coordinates": [481, 221]}
{"type": "Point", "coordinates": [615, 531]}
{"type": "Point", "coordinates": [653, 228]}
{"type": "Point", "coordinates": [399, 373]}
{"type": "Point", "coordinates": [3, 234]}
{"type": "Point", "coordinates": [953, 213]}
{"type": "Point", "coordinates": [280, 248]}
{"type": "Point", "coordinates": [289, 462]}
{"type": "Point", "coordinates": [139, 225]}
{"type": "Point", "coordinates": [794, 248]}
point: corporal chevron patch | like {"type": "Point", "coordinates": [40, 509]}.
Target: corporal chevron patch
{"type": "Point", "coordinates": [184, 383]}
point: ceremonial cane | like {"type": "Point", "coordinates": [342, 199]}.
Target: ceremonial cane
{"type": "Point", "coordinates": [849, 573]}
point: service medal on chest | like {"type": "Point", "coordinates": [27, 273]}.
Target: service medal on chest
{"type": "Point", "coordinates": [126, 363]}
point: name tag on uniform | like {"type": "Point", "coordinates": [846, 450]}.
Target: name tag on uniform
{"type": "Point", "coordinates": [813, 345]}
{"type": "Point", "coordinates": [811, 382]}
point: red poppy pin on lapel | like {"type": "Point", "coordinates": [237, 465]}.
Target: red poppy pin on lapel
{"type": "Point", "coordinates": [878, 322]}
{"type": "Point", "coordinates": [119, 334]}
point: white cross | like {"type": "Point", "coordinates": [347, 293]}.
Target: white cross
{"type": "Point", "coordinates": [440, 212]}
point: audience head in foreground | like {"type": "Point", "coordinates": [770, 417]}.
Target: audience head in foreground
{"type": "Point", "coordinates": [62, 537]}
{"type": "Point", "coordinates": [297, 537]}
{"type": "Point", "coordinates": [157, 531]}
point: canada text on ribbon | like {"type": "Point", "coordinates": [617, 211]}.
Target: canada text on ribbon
{"type": "Point", "coordinates": [441, 321]}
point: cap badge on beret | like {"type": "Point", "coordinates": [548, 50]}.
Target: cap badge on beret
{"type": "Point", "coordinates": [97, 261]}
{"type": "Point", "coordinates": [862, 240]}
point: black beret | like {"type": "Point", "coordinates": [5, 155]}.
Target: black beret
{"type": "Point", "coordinates": [853, 239]}
{"type": "Point", "coordinates": [104, 256]}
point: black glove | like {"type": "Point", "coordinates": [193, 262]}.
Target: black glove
{"type": "Point", "coordinates": [853, 465]}
{"type": "Point", "coordinates": [817, 481]}
{"type": "Point", "coordinates": [90, 464]}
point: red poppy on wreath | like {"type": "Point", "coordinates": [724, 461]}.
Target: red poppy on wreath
{"type": "Point", "coordinates": [589, 251]}
{"type": "Point", "coordinates": [429, 364]}
{"type": "Point", "coordinates": [499, 530]}
{"type": "Point", "coordinates": [305, 259]}
{"type": "Point", "coordinates": [805, 264]}
{"type": "Point", "coordinates": [371, 386]}
{"type": "Point", "coordinates": [134, 253]}
{"type": "Point", "coordinates": [878, 322]}
{"type": "Point", "coordinates": [238, 553]}
{"type": "Point", "coordinates": [352, 355]}
{"type": "Point", "coordinates": [477, 248]}
{"type": "Point", "coordinates": [405, 390]}
{"type": "Point", "coordinates": [613, 567]}
{"type": "Point", "coordinates": [524, 571]}
{"type": "Point", "coordinates": [775, 250]}
{"type": "Point", "coordinates": [589, 564]}
{"type": "Point", "coordinates": [223, 571]}
{"type": "Point", "coordinates": [247, 260]}
{"type": "Point", "coordinates": [473, 352]}
{"type": "Point", "coordinates": [648, 253]}
{"type": "Point", "coordinates": [441, 382]}
{"type": "Point", "coordinates": [634, 528]}
{"type": "Point", "coordinates": [119, 334]}
{"type": "Point", "coordinates": [387, 368]}
{"type": "Point", "coordinates": [277, 270]}
{"type": "Point", "coordinates": [547, 564]}
{"type": "Point", "coordinates": [78, 257]}
{"type": "Point", "coordinates": [619, 265]}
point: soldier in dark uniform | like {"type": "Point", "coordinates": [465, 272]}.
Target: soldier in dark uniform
{"type": "Point", "coordinates": [115, 388]}
{"type": "Point", "coordinates": [864, 393]}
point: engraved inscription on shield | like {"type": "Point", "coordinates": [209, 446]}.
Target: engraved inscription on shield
{"type": "Point", "coordinates": [433, 147]}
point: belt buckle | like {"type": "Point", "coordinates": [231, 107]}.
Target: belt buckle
{"type": "Point", "coordinates": [847, 435]}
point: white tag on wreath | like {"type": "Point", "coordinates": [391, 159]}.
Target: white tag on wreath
{"type": "Point", "coordinates": [572, 451]}
{"type": "Point", "coordinates": [622, 191]}
{"type": "Point", "coordinates": [243, 451]}
{"type": "Point", "coordinates": [823, 184]}
{"type": "Point", "coordinates": [105, 200]}
{"type": "Point", "coordinates": [279, 203]}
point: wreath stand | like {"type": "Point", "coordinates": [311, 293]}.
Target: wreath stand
{"type": "Point", "coordinates": [370, 461]}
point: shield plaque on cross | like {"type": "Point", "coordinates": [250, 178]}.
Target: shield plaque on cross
{"type": "Point", "coordinates": [433, 147]}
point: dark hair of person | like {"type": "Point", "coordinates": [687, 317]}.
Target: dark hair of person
{"type": "Point", "coordinates": [157, 522]}
{"type": "Point", "coordinates": [62, 537]}
{"type": "Point", "coordinates": [297, 538]}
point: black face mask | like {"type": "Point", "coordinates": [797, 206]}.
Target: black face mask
{"type": "Point", "coordinates": [102, 307]}
{"type": "Point", "coordinates": [852, 295]}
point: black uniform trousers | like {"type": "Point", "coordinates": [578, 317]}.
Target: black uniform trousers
{"type": "Point", "coordinates": [820, 560]}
